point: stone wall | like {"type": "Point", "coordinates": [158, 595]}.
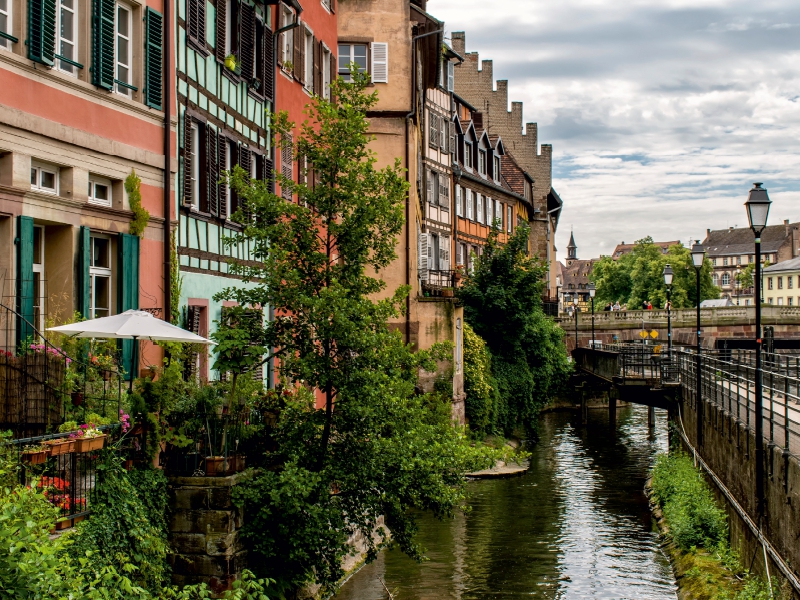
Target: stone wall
{"type": "Point", "coordinates": [204, 532]}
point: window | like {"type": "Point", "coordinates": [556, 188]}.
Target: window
{"type": "Point", "coordinates": [308, 59]}
{"type": "Point", "coordinates": [780, 301]}
{"type": "Point", "coordinates": [326, 73]}
{"type": "Point", "coordinates": [726, 279]}
{"type": "Point", "coordinates": [482, 162]}
{"type": "Point", "coordinates": [462, 254]}
{"type": "Point", "coordinates": [196, 162]}
{"type": "Point", "coordinates": [769, 283]}
{"type": "Point", "coordinates": [433, 130]}
{"type": "Point", "coordinates": [724, 262]}
{"type": "Point", "coordinates": [5, 22]}
{"type": "Point", "coordinates": [100, 275]}
{"type": "Point", "coordinates": [38, 278]}
{"type": "Point", "coordinates": [44, 178]}
{"type": "Point", "coordinates": [770, 300]}
{"type": "Point", "coordinates": [459, 200]}
{"type": "Point", "coordinates": [738, 260]}
{"type": "Point", "coordinates": [479, 208]}
{"type": "Point", "coordinates": [433, 252]}
{"type": "Point", "coordinates": [780, 283]}
{"type": "Point", "coordinates": [287, 39]}
{"type": "Point", "coordinates": [790, 300]}
{"type": "Point", "coordinates": [352, 53]}
{"type": "Point", "coordinates": [99, 191]}
{"type": "Point", "coordinates": [469, 204]}
{"type": "Point", "coordinates": [433, 187]}
{"type": "Point", "coordinates": [229, 159]}
{"type": "Point", "coordinates": [509, 214]}
{"type": "Point", "coordinates": [496, 168]}
{"type": "Point", "coordinates": [790, 281]}
{"type": "Point", "coordinates": [444, 192]}
{"type": "Point", "coordinates": [451, 76]}
{"type": "Point", "coordinates": [122, 53]}
{"type": "Point", "coordinates": [714, 262]}
{"type": "Point", "coordinates": [715, 278]}
{"type": "Point", "coordinates": [327, 5]}
{"type": "Point", "coordinates": [66, 33]}
{"type": "Point", "coordinates": [468, 155]}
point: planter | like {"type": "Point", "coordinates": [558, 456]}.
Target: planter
{"type": "Point", "coordinates": [128, 465]}
{"type": "Point", "coordinates": [447, 293]}
{"type": "Point", "coordinates": [215, 465]}
{"type": "Point", "coordinates": [35, 458]}
{"type": "Point", "coordinates": [237, 463]}
{"type": "Point", "coordinates": [58, 447]}
{"type": "Point", "coordinates": [90, 444]}
{"type": "Point", "coordinates": [77, 520]}
{"type": "Point", "coordinates": [77, 398]}
{"type": "Point", "coordinates": [63, 524]}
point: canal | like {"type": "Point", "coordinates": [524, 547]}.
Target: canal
{"type": "Point", "coordinates": [577, 525]}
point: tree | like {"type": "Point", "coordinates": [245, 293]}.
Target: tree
{"type": "Point", "coordinates": [639, 276]}
{"type": "Point", "coordinates": [353, 442]}
{"type": "Point", "coordinates": [503, 304]}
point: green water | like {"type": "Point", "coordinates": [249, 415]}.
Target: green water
{"type": "Point", "coordinates": [576, 526]}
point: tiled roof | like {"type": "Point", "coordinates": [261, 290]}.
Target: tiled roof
{"type": "Point", "coordinates": [741, 240]}
{"type": "Point", "coordinates": [513, 174]}
{"type": "Point", "coordinates": [626, 248]}
{"type": "Point", "coordinates": [577, 273]}
{"type": "Point", "coordinates": [787, 265]}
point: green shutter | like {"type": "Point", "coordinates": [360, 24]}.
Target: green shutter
{"type": "Point", "coordinates": [103, 43]}
{"type": "Point", "coordinates": [128, 296]}
{"type": "Point", "coordinates": [84, 279]}
{"type": "Point", "coordinates": [42, 31]}
{"type": "Point", "coordinates": [25, 287]}
{"type": "Point", "coordinates": [153, 58]}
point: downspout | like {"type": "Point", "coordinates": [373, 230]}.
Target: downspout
{"type": "Point", "coordinates": [167, 162]}
{"type": "Point", "coordinates": [409, 118]}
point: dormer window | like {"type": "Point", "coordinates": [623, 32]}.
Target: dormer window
{"type": "Point", "coordinates": [482, 162]}
{"type": "Point", "coordinates": [468, 154]}
{"type": "Point", "coordinates": [496, 168]}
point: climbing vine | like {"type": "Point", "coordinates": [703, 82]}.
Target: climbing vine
{"type": "Point", "coordinates": [175, 281]}
{"type": "Point", "coordinates": [141, 216]}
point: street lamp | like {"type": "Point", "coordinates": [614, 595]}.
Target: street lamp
{"type": "Point", "coordinates": [576, 309]}
{"type": "Point", "coordinates": [668, 275]}
{"type": "Point", "coordinates": [698, 257]}
{"type": "Point", "coordinates": [757, 212]}
{"type": "Point", "coordinates": [738, 283]}
{"type": "Point", "coordinates": [592, 292]}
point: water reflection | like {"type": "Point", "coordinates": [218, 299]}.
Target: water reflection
{"type": "Point", "coordinates": [576, 526]}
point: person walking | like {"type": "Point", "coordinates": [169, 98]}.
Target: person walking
{"type": "Point", "coordinates": [616, 306]}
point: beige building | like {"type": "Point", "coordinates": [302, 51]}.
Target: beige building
{"type": "Point", "coordinates": [408, 62]}
{"type": "Point", "coordinates": [782, 283]}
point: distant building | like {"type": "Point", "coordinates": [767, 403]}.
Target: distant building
{"type": "Point", "coordinates": [733, 248]}
{"type": "Point", "coordinates": [623, 248]}
{"type": "Point", "coordinates": [575, 278]}
{"type": "Point", "coordinates": [717, 303]}
{"type": "Point", "coordinates": [782, 283]}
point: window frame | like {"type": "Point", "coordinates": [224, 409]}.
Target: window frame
{"type": "Point", "coordinates": [118, 89]}
{"type": "Point", "coordinates": [345, 74]}
{"type": "Point", "coordinates": [726, 279]}
{"type": "Point", "coordinates": [308, 58]}
{"type": "Point", "coordinates": [5, 43]}
{"type": "Point", "coordinates": [509, 217]}
{"type": "Point", "coordinates": [482, 162]}
{"type": "Point", "coordinates": [94, 181]}
{"type": "Point", "coordinates": [43, 167]}
{"type": "Point", "coordinates": [96, 272]}
{"type": "Point", "coordinates": [468, 155]}
{"type": "Point", "coordinates": [38, 269]}
{"type": "Point", "coordinates": [287, 38]}
{"type": "Point", "coordinates": [327, 56]}
{"type": "Point", "coordinates": [70, 70]}
{"type": "Point", "coordinates": [496, 167]}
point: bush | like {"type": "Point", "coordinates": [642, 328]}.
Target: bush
{"type": "Point", "coordinates": [689, 507]}
{"type": "Point", "coordinates": [482, 397]}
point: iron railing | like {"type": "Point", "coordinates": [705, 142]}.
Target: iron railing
{"type": "Point", "coordinates": [438, 284]}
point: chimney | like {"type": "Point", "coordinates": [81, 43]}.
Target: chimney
{"type": "Point", "coordinates": [786, 224]}
{"type": "Point", "coordinates": [708, 232]}
{"type": "Point", "coordinates": [730, 228]}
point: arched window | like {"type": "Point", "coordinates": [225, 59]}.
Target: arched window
{"type": "Point", "coordinates": [726, 279]}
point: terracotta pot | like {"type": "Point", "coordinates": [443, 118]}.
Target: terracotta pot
{"type": "Point", "coordinates": [447, 293]}
{"type": "Point", "coordinates": [128, 465]}
{"type": "Point", "coordinates": [215, 465]}
{"type": "Point", "coordinates": [34, 458]}
{"type": "Point", "coordinates": [63, 524]}
{"type": "Point", "coordinates": [90, 444]}
{"type": "Point", "coordinates": [238, 464]}
{"type": "Point", "coordinates": [77, 398]}
{"type": "Point", "coordinates": [62, 446]}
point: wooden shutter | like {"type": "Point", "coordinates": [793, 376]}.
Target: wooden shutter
{"type": "Point", "coordinates": [25, 288]}
{"type": "Point", "coordinates": [196, 22]}
{"type": "Point", "coordinates": [443, 134]}
{"type": "Point", "coordinates": [452, 135]}
{"type": "Point", "coordinates": [286, 165]}
{"type": "Point", "coordinates": [192, 324]}
{"type": "Point", "coordinates": [222, 18]}
{"type": "Point", "coordinates": [444, 253]}
{"type": "Point", "coordinates": [318, 68]}
{"type": "Point", "coordinates": [154, 55]}
{"type": "Point", "coordinates": [297, 57]}
{"type": "Point", "coordinates": [188, 159]}
{"type": "Point", "coordinates": [212, 166]}
{"type": "Point", "coordinates": [222, 189]}
{"type": "Point", "coordinates": [444, 191]}
{"type": "Point", "coordinates": [380, 62]}
{"type": "Point", "coordinates": [128, 290]}
{"type": "Point", "coordinates": [103, 44]}
{"type": "Point", "coordinates": [247, 40]}
{"type": "Point", "coordinates": [42, 31]}
{"type": "Point", "coordinates": [422, 255]}
{"type": "Point", "coordinates": [84, 280]}
{"type": "Point", "coordinates": [433, 130]}
{"type": "Point", "coordinates": [268, 65]}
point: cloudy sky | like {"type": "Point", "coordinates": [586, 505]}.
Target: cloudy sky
{"type": "Point", "coordinates": [661, 113]}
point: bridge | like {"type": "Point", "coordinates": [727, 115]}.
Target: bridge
{"type": "Point", "coordinates": [718, 427]}
{"type": "Point", "coordinates": [729, 327]}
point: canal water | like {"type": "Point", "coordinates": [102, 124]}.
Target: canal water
{"type": "Point", "coordinates": [576, 526]}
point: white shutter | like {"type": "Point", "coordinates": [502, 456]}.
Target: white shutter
{"type": "Point", "coordinates": [430, 186]}
{"type": "Point", "coordinates": [468, 202]}
{"type": "Point", "coordinates": [380, 62]}
{"type": "Point", "coordinates": [459, 211]}
{"type": "Point", "coordinates": [443, 134]}
{"type": "Point", "coordinates": [444, 253]}
{"type": "Point", "coordinates": [479, 208]}
{"type": "Point", "coordinates": [433, 130]}
{"type": "Point", "coordinates": [451, 76]}
{"type": "Point", "coordinates": [422, 255]}
{"type": "Point", "coordinates": [444, 191]}
{"type": "Point", "coordinates": [452, 133]}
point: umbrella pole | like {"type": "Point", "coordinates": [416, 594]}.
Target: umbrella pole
{"type": "Point", "coordinates": [134, 360]}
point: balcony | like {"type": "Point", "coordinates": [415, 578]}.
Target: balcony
{"type": "Point", "coordinates": [440, 284]}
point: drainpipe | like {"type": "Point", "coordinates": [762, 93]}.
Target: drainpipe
{"type": "Point", "coordinates": [409, 118]}
{"type": "Point", "coordinates": [167, 161]}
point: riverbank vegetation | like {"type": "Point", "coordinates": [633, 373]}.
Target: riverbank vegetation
{"type": "Point", "coordinates": [697, 529]}
{"type": "Point", "coordinates": [639, 275]}
{"type": "Point", "coordinates": [521, 360]}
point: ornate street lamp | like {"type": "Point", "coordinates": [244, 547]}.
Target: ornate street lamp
{"type": "Point", "coordinates": [592, 292]}
{"type": "Point", "coordinates": [738, 283]}
{"type": "Point", "coordinates": [668, 275]}
{"type": "Point", "coordinates": [576, 309]}
{"type": "Point", "coordinates": [757, 205]}
{"type": "Point", "coordinates": [698, 257]}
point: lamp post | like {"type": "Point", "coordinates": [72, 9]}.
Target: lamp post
{"type": "Point", "coordinates": [592, 292]}
{"type": "Point", "coordinates": [757, 212]}
{"type": "Point", "coordinates": [738, 284]}
{"type": "Point", "coordinates": [575, 311]}
{"type": "Point", "coordinates": [698, 257]}
{"type": "Point", "coordinates": [668, 275]}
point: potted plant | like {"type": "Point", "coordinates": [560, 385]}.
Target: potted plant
{"type": "Point", "coordinates": [35, 455]}
{"type": "Point", "coordinates": [231, 62]}
{"type": "Point", "coordinates": [89, 438]}
{"type": "Point", "coordinates": [447, 292]}
{"type": "Point", "coordinates": [217, 465]}
{"type": "Point", "coordinates": [60, 446]}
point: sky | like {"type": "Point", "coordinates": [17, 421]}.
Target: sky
{"type": "Point", "coordinates": [661, 113]}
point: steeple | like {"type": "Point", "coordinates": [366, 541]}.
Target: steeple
{"type": "Point", "coordinates": [572, 248]}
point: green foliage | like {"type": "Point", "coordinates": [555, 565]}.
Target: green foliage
{"type": "Point", "coordinates": [502, 303]}
{"type": "Point", "coordinates": [480, 386]}
{"type": "Point", "coordinates": [383, 451]}
{"type": "Point", "coordinates": [745, 278]}
{"type": "Point", "coordinates": [175, 280]}
{"type": "Point", "coordinates": [689, 507]}
{"type": "Point", "coordinates": [141, 216]}
{"type": "Point", "coordinates": [639, 276]}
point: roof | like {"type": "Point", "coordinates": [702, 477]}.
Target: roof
{"type": "Point", "coordinates": [513, 174]}
{"type": "Point", "coordinates": [576, 273]}
{"type": "Point", "coordinates": [572, 240]}
{"type": "Point", "coordinates": [722, 302]}
{"type": "Point", "coordinates": [740, 241]}
{"type": "Point", "coordinates": [792, 264]}
{"type": "Point", "coordinates": [463, 102]}
{"type": "Point", "coordinates": [624, 248]}
{"type": "Point", "coordinates": [554, 204]}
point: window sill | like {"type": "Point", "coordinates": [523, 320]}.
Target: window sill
{"type": "Point", "coordinates": [197, 46]}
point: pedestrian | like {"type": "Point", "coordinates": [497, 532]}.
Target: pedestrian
{"type": "Point", "coordinates": [644, 304]}
{"type": "Point", "coordinates": [649, 305]}
{"type": "Point", "coordinates": [616, 306]}
{"type": "Point", "coordinates": [624, 306]}
{"type": "Point", "coordinates": [607, 307]}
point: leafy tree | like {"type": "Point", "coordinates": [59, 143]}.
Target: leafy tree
{"type": "Point", "coordinates": [503, 304]}
{"type": "Point", "coordinates": [639, 276]}
{"type": "Point", "coordinates": [480, 386]}
{"type": "Point", "coordinates": [353, 442]}
{"type": "Point", "coordinates": [746, 278]}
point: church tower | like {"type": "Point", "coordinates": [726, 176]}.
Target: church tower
{"type": "Point", "coordinates": [572, 249]}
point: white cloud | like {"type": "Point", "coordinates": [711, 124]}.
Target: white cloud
{"type": "Point", "coordinates": [661, 113]}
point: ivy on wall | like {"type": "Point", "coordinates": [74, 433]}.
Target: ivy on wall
{"type": "Point", "coordinates": [141, 216]}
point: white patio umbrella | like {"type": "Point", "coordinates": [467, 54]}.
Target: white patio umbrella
{"type": "Point", "coordinates": [131, 325]}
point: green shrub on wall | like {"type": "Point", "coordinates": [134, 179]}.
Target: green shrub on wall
{"type": "Point", "coordinates": [141, 216]}
{"type": "Point", "coordinates": [480, 386]}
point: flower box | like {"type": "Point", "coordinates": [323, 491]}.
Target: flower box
{"type": "Point", "coordinates": [62, 446]}
{"type": "Point", "coordinates": [63, 524]}
{"type": "Point", "coordinates": [215, 465]}
{"type": "Point", "coordinates": [35, 457]}
{"type": "Point", "coordinates": [88, 444]}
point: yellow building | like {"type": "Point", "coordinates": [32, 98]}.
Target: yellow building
{"type": "Point", "coordinates": [782, 283]}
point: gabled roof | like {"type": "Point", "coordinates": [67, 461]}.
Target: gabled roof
{"type": "Point", "coordinates": [740, 240]}
{"type": "Point", "coordinates": [497, 144]}
{"type": "Point", "coordinates": [484, 140]}
{"type": "Point", "coordinates": [459, 128]}
{"type": "Point", "coordinates": [513, 174]}
{"type": "Point", "coordinates": [792, 264]}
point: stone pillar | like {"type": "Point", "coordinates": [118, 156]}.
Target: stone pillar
{"type": "Point", "coordinates": [204, 532]}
